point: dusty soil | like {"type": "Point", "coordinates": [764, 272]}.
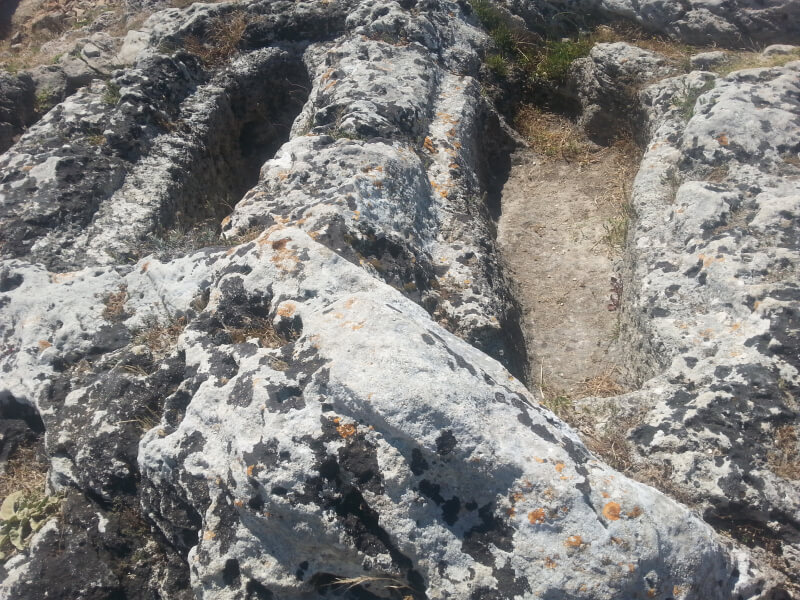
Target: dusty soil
{"type": "Point", "coordinates": [560, 235]}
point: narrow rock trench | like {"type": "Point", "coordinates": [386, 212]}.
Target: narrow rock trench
{"type": "Point", "coordinates": [560, 234]}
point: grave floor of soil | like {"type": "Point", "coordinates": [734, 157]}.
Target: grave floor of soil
{"type": "Point", "coordinates": [560, 234]}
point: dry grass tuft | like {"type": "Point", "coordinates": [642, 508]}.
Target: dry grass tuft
{"type": "Point", "coordinates": [784, 461]}
{"type": "Point", "coordinates": [611, 443]}
{"type": "Point", "coordinates": [552, 135]}
{"type": "Point", "coordinates": [259, 328]}
{"type": "Point", "coordinates": [223, 40]}
{"type": "Point", "coordinates": [115, 304]}
{"type": "Point", "coordinates": [160, 339]}
{"type": "Point", "coordinates": [386, 583]}
{"type": "Point", "coordinates": [24, 471]}
{"type": "Point", "coordinates": [603, 385]}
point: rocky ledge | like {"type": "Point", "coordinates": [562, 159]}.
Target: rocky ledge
{"type": "Point", "coordinates": [325, 395]}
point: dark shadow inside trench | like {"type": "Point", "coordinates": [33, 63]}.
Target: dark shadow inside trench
{"type": "Point", "coordinates": [251, 122]}
{"type": "Point", "coordinates": [7, 10]}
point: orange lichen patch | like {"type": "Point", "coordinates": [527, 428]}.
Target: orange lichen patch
{"type": "Point", "coordinates": [550, 563]}
{"type": "Point", "coordinates": [356, 326]}
{"type": "Point", "coordinates": [573, 541]}
{"type": "Point", "coordinates": [538, 460]}
{"type": "Point", "coordinates": [447, 118]}
{"type": "Point", "coordinates": [707, 333]}
{"type": "Point", "coordinates": [330, 85]}
{"type": "Point", "coordinates": [356, 215]}
{"type": "Point", "coordinates": [284, 258]}
{"type": "Point", "coordinates": [452, 132]}
{"type": "Point", "coordinates": [347, 430]}
{"type": "Point", "coordinates": [618, 541]}
{"type": "Point", "coordinates": [722, 139]}
{"type": "Point", "coordinates": [428, 145]}
{"type": "Point", "coordinates": [209, 535]}
{"type": "Point", "coordinates": [631, 567]}
{"type": "Point", "coordinates": [537, 517]}
{"type": "Point", "coordinates": [287, 309]}
{"type": "Point", "coordinates": [611, 511]}
{"type": "Point", "coordinates": [548, 493]}
{"type": "Point", "coordinates": [453, 166]}
{"type": "Point", "coordinates": [349, 303]}
{"type": "Point", "coordinates": [238, 503]}
{"type": "Point", "coordinates": [250, 470]}
{"type": "Point", "coordinates": [651, 593]}
{"type": "Point", "coordinates": [378, 183]}
{"type": "Point", "coordinates": [442, 189]}
{"type": "Point", "coordinates": [282, 175]}
{"type": "Point", "coordinates": [735, 326]}
{"type": "Point", "coordinates": [604, 494]}
{"type": "Point", "coordinates": [634, 512]}
{"type": "Point", "coordinates": [677, 590]}
{"type": "Point", "coordinates": [144, 268]}
{"type": "Point", "coordinates": [230, 251]}
{"type": "Point", "coordinates": [44, 344]}
{"type": "Point", "coordinates": [516, 497]}
{"type": "Point", "coordinates": [559, 467]}
{"type": "Point", "coordinates": [511, 512]}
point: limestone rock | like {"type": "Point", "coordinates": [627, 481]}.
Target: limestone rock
{"type": "Point", "coordinates": [319, 399]}
{"type": "Point", "coordinates": [704, 61]}
{"type": "Point", "coordinates": [694, 22]}
{"type": "Point", "coordinates": [711, 301]}
{"type": "Point", "coordinates": [604, 84]}
{"type": "Point", "coordinates": [17, 99]}
{"type": "Point", "coordinates": [779, 49]}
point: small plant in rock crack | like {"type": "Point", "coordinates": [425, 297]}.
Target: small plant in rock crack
{"type": "Point", "coordinates": [498, 64]}
{"type": "Point", "coordinates": [21, 515]}
{"type": "Point", "coordinates": [687, 101]}
{"type": "Point", "coordinates": [112, 94]}
{"type": "Point", "coordinates": [45, 100]}
{"type": "Point", "coordinates": [160, 338]}
{"type": "Point", "coordinates": [615, 298]}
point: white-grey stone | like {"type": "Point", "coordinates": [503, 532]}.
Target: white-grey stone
{"type": "Point", "coordinates": [706, 60]}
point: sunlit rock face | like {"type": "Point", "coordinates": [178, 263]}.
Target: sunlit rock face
{"type": "Point", "coordinates": [326, 396]}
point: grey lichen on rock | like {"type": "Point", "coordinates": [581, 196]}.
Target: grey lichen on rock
{"type": "Point", "coordinates": [330, 398]}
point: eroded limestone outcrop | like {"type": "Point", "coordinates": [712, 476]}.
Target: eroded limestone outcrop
{"type": "Point", "coordinates": [323, 402]}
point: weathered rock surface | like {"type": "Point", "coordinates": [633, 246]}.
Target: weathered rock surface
{"type": "Point", "coordinates": [314, 403]}
{"type": "Point", "coordinates": [605, 84]}
{"type": "Point", "coordinates": [711, 300]}
{"type": "Point", "coordinates": [17, 98]}
{"type": "Point", "coordinates": [694, 22]}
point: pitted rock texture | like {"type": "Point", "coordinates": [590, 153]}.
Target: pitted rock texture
{"type": "Point", "coordinates": [711, 300]}
{"type": "Point", "coordinates": [314, 404]}
{"type": "Point", "coordinates": [605, 84]}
